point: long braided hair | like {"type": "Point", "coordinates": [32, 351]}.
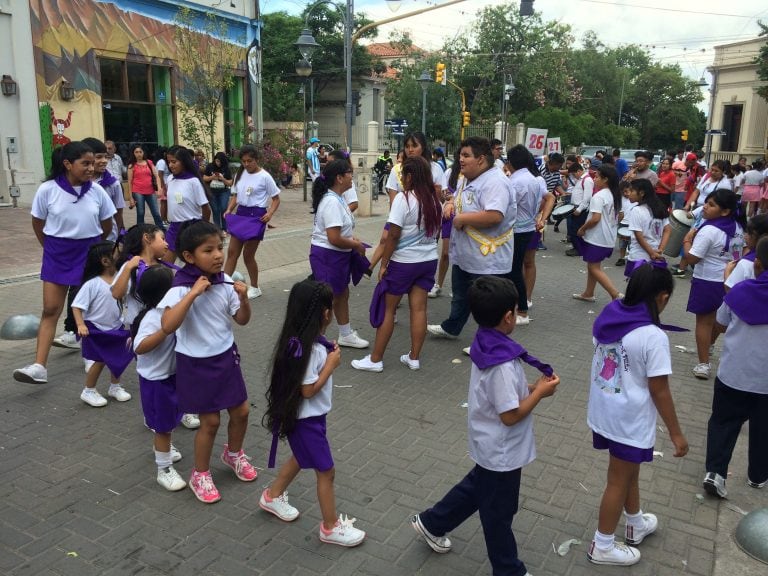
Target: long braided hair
{"type": "Point", "coordinates": [307, 304]}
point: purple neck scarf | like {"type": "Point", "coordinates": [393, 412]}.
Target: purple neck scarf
{"type": "Point", "coordinates": [143, 267]}
{"type": "Point", "coordinates": [491, 348]}
{"type": "Point", "coordinates": [749, 300]}
{"type": "Point", "coordinates": [63, 183]}
{"type": "Point", "coordinates": [724, 223]}
{"type": "Point", "coordinates": [750, 256]}
{"type": "Point", "coordinates": [617, 320]}
{"type": "Point", "coordinates": [184, 176]}
{"type": "Point", "coordinates": [107, 179]}
{"type": "Point", "coordinates": [188, 275]}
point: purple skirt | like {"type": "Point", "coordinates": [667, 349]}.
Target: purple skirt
{"type": "Point", "coordinates": [110, 347]}
{"type": "Point", "coordinates": [399, 280]}
{"type": "Point", "coordinates": [245, 224]}
{"type": "Point", "coordinates": [446, 227]}
{"type": "Point", "coordinates": [172, 235]}
{"type": "Point", "coordinates": [591, 253]}
{"type": "Point", "coordinates": [705, 296]}
{"type": "Point", "coordinates": [210, 384]}
{"type": "Point", "coordinates": [64, 259]}
{"type": "Point", "coordinates": [533, 244]}
{"type": "Point", "coordinates": [622, 451]}
{"type": "Point", "coordinates": [309, 444]}
{"type": "Point", "coordinates": [331, 266]}
{"type": "Point", "coordinates": [160, 404]}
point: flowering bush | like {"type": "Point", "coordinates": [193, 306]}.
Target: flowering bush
{"type": "Point", "coordinates": [280, 150]}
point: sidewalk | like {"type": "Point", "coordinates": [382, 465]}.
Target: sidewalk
{"type": "Point", "coordinates": [77, 488]}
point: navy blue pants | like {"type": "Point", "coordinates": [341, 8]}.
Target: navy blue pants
{"type": "Point", "coordinates": [494, 495]}
{"type": "Point", "coordinates": [460, 281]}
{"type": "Point", "coordinates": [522, 239]}
{"type": "Point", "coordinates": [730, 409]}
{"type": "Point", "coordinates": [576, 222]}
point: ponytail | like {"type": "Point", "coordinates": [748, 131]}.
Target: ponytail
{"type": "Point", "coordinates": [327, 177]}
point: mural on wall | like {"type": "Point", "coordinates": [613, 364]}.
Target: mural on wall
{"type": "Point", "coordinates": [59, 125]}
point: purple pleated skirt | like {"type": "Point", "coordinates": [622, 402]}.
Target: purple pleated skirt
{"type": "Point", "coordinates": [622, 451]}
{"type": "Point", "coordinates": [245, 224]}
{"type": "Point", "coordinates": [446, 227]}
{"type": "Point", "coordinates": [399, 280]}
{"type": "Point", "coordinates": [160, 404]}
{"type": "Point", "coordinates": [210, 384]}
{"type": "Point", "coordinates": [309, 444]}
{"type": "Point", "coordinates": [590, 252]}
{"type": "Point", "coordinates": [108, 346]}
{"type": "Point", "coordinates": [172, 235]}
{"type": "Point", "coordinates": [705, 296]}
{"type": "Point", "coordinates": [64, 259]}
{"type": "Point", "coordinates": [533, 243]}
{"type": "Point", "coordinates": [331, 266]}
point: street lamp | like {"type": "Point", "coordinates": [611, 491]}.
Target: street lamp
{"type": "Point", "coordinates": [509, 89]}
{"type": "Point", "coordinates": [424, 80]}
{"type": "Point", "coordinates": [304, 70]}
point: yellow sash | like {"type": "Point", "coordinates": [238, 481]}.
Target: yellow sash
{"type": "Point", "coordinates": [488, 244]}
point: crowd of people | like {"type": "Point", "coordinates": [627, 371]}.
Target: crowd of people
{"type": "Point", "coordinates": [130, 299]}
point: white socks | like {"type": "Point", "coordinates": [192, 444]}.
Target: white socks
{"type": "Point", "coordinates": [345, 329]}
{"type": "Point", "coordinates": [163, 459]}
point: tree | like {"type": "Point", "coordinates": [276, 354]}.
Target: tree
{"type": "Point", "coordinates": [207, 63]}
{"type": "Point", "coordinates": [279, 79]}
{"type": "Point", "coordinates": [762, 61]}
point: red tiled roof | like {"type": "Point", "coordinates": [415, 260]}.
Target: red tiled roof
{"type": "Point", "coordinates": [387, 50]}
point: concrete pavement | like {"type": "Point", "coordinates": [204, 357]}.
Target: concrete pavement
{"type": "Point", "coordinates": [78, 494]}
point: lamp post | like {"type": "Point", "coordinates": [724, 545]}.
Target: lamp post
{"type": "Point", "coordinates": [304, 70]}
{"type": "Point", "coordinates": [424, 80]}
{"type": "Point", "coordinates": [509, 89]}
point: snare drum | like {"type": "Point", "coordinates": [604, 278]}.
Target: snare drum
{"type": "Point", "coordinates": [563, 211]}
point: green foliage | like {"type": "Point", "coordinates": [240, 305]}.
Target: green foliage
{"type": "Point", "coordinates": [762, 62]}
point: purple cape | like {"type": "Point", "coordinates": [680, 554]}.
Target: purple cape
{"type": "Point", "coordinates": [491, 348]}
{"type": "Point", "coordinates": [749, 300]}
{"type": "Point", "coordinates": [617, 320]}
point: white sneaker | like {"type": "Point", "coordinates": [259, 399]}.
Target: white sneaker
{"type": "Point", "coordinates": [437, 330]}
{"type": "Point", "coordinates": [619, 555]}
{"type": "Point", "coordinates": [66, 340]}
{"type": "Point", "coordinates": [352, 340]}
{"type": "Point", "coordinates": [92, 397]}
{"type": "Point", "coordinates": [466, 350]}
{"type": "Point", "coordinates": [435, 292]}
{"type": "Point", "coordinates": [32, 374]}
{"type": "Point", "coordinates": [253, 292]}
{"type": "Point", "coordinates": [440, 544]}
{"type": "Point", "coordinates": [412, 364]}
{"type": "Point", "coordinates": [278, 506]}
{"type": "Point", "coordinates": [87, 364]}
{"type": "Point", "coordinates": [169, 479]}
{"type": "Point", "coordinates": [522, 320]}
{"type": "Point", "coordinates": [714, 484]}
{"type": "Point", "coordinates": [190, 421]}
{"type": "Point", "coordinates": [633, 536]}
{"type": "Point", "coordinates": [175, 454]}
{"type": "Point", "coordinates": [702, 370]}
{"type": "Point", "coordinates": [343, 533]}
{"type": "Point", "coordinates": [118, 393]}
{"type": "Point", "coordinates": [530, 303]}
{"type": "Point", "coordinates": [367, 364]}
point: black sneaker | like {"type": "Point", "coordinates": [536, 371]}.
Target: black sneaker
{"type": "Point", "coordinates": [677, 272]}
{"type": "Point", "coordinates": [621, 262]}
{"type": "Point", "coordinates": [572, 252]}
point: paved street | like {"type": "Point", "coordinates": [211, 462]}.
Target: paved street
{"type": "Point", "coordinates": [77, 484]}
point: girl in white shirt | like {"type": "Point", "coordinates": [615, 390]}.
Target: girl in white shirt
{"type": "Point", "coordinates": [187, 200]}
{"type": "Point", "coordinates": [744, 268]}
{"type": "Point", "coordinates": [711, 247]}
{"type": "Point", "coordinates": [597, 236]}
{"type": "Point", "coordinates": [247, 214]}
{"type": "Point", "coordinates": [629, 385]}
{"type": "Point", "coordinates": [100, 325]}
{"type": "Point", "coordinates": [408, 264]}
{"type": "Point", "coordinates": [298, 401]}
{"type": "Point", "coordinates": [648, 225]}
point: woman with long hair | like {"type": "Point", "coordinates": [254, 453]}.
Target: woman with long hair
{"type": "Point", "coordinates": [219, 179]}
{"type": "Point", "coordinates": [143, 181]}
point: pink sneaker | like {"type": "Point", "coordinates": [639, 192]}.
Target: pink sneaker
{"type": "Point", "coordinates": [243, 469]}
{"type": "Point", "coordinates": [202, 486]}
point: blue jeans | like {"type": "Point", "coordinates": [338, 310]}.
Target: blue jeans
{"type": "Point", "coordinates": [151, 201]}
{"type": "Point", "coordinates": [460, 281]}
{"type": "Point", "coordinates": [219, 204]}
{"type": "Point", "coordinates": [495, 496]}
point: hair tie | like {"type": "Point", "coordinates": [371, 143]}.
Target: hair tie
{"type": "Point", "coordinates": [661, 264]}
{"type": "Point", "coordinates": [294, 348]}
{"type": "Point", "coordinates": [322, 177]}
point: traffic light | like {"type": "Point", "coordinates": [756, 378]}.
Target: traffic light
{"type": "Point", "coordinates": [465, 118]}
{"type": "Point", "coordinates": [526, 7]}
{"type": "Point", "coordinates": [684, 135]}
{"type": "Point", "coordinates": [440, 73]}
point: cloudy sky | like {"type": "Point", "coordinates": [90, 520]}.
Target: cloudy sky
{"type": "Point", "coordinates": [682, 31]}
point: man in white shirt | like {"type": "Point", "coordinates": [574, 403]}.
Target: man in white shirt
{"type": "Point", "coordinates": [115, 163]}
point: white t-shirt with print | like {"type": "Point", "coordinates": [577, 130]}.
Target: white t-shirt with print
{"type": "Point", "coordinates": [709, 245]}
{"type": "Point", "coordinates": [255, 189]}
{"type": "Point", "coordinates": [67, 218]}
{"type": "Point", "coordinates": [492, 444]}
{"type": "Point", "coordinates": [321, 402]}
{"type": "Point", "coordinates": [160, 362]}
{"type": "Point", "coordinates": [414, 245]}
{"type": "Point", "coordinates": [332, 212]}
{"type": "Point", "coordinates": [207, 328]}
{"type": "Point", "coordinates": [707, 186]}
{"type": "Point", "coordinates": [641, 220]}
{"type": "Point", "coordinates": [186, 198]}
{"type": "Point", "coordinates": [604, 234]}
{"type": "Point", "coordinates": [620, 404]}
{"type": "Point", "coordinates": [98, 305]}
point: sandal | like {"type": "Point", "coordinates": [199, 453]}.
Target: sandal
{"type": "Point", "coordinates": [583, 298]}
